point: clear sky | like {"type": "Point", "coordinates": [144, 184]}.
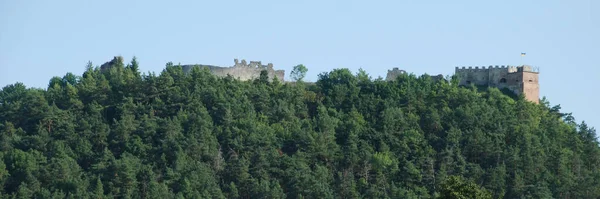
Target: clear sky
{"type": "Point", "coordinates": [42, 39]}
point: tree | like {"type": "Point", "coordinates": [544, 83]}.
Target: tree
{"type": "Point", "coordinates": [455, 187]}
{"type": "Point", "coordinates": [114, 133]}
{"type": "Point", "coordinates": [299, 72]}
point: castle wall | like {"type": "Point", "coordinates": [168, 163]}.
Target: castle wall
{"type": "Point", "coordinates": [473, 75]}
{"type": "Point", "coordinates": [242, 71]}
{"type": "Point", "coordinates": [526, 83]}
{"type": "Point", "coordinates": [498, 76]}
{"type": "Point", "coordinates": [513, 83]}
{"type": "Point", "coordinates": [519, 80]}
{"type": "Point", "coordinates": [247, 73]}
{"type": "Point", "coordinates": [279, 74]}
{"type": "Point", "coordinates": [188, 68]}
{"type": "Point", "coordinates": [393, 74]}
{"type": "Point", "coordinates": [531, 86]}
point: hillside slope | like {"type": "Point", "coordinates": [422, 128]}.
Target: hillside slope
{"type": "Point", "coordinates": [120, 134]}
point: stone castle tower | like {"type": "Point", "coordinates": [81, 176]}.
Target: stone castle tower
{"type": "Point", "coordinates": [518, 79]}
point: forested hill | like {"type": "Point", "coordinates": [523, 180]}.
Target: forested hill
{"type": "Point", "coordinates": [118, 133]}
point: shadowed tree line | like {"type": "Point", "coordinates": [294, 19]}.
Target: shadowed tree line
{"type": "Point", "coordinates": [118, 133]}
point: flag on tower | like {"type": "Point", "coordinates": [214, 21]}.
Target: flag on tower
{"type": "Point", "coordinates": [522, 54]}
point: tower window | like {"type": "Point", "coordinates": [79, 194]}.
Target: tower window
{"type": "Point", "coordinates": [503, 80]}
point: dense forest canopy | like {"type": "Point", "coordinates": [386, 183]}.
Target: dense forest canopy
{"type": "Point", "coordinates": [117, 133]}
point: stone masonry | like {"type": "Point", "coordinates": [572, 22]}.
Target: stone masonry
{"type": "Point", "coordinates": [395, 72]}
{"type": "Point", "coordinates": [242, 70]}
{"type": "Point", "coordinates": [518, 79]}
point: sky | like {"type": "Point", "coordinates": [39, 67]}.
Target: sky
{"type": "Point", "coordinates": [42, 39]}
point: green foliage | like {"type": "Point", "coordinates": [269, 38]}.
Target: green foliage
{"type": "Point", "coordinates": [299, 72]}
{"type": "Point", "coordinates": [456, 188]}
{"type": "Point", "coordinates": [116, 133]}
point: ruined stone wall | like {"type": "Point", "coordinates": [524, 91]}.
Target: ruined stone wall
{"type": "Point", "coordinates": [393, 74]}
{"type": "Point", "coordinates": [242, 70]}
{"type": "Point", "coordinates": [279, 74]}
{"type": "Point", "coordinates": [188, 68]}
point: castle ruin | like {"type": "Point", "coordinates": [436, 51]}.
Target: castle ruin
{"type": "Point", "coordinates": [518, 79]}
{"type": "Point", "coordinates": [242, 70]}
{"type": "Point", "coordinates": [395, 72]}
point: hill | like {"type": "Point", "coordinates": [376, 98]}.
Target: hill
{"type": "Point", "coordinates": [117, 133]}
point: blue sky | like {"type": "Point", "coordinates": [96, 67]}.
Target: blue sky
{"type": "Point", "coordinates": [42, 39]}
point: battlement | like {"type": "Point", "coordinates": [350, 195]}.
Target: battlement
{"type": "Point", "coordinates": [527, 68]}
{"type": "Point", "coordinates": [482, 67]}
{"type": "Point", "coordinates": [508, 68]}
{"type": "Point", "coordinates": [519, 79]}
{"type": "Point", "coordinates": [470, 68]}
{"type": "Point", "coordinates": [253, 64]}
